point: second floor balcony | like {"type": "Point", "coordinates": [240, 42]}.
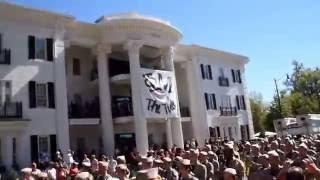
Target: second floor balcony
{"type": "Point", "coordinates": [90, 109]}
{"type": "Point", "coordinates": [223, 81]}
{"type": "Point", "coordinates": [10, 110]}
{"type": "Point", "coordinates": [228, 111]}
{"type": "Point", "coordinates": [5, 56]}
{"type": "Point", "coordinates": [121, 106]}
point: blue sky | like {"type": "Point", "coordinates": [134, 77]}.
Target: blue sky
{"type": "Point", "coordinates": [271, 33]}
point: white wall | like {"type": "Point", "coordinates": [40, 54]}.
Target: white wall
{"type": "Point", "coordinates": [20, 72]}
{"type": "Point", "coordinates": [80, 84]}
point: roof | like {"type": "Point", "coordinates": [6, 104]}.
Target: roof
{"type": "Point", "coordinates": [198, 50]}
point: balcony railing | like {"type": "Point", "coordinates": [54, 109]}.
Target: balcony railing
{"type": "Point", "coordinates": [5, 56]}
{"type": "Point", "coordinates": [223, 81]}
{"type": "Point", "coordinates": [184, 112]}
{"type": "Point", "coordinates": [11, 110]}
{"type": "Point", "coordinates": [228, 111]}
{"type": "Point", "coordinates": [121, 106]}
{"type": "Point", "coordinates": [86, 110]}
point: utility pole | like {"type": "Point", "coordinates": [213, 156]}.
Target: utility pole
{"type": "Point", "coordinates": [278, 96]}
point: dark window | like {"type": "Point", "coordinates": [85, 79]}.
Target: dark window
{"type": "Point", "coordinates": [218, 131]}
{"type": "Point", "coordinates": [34, 148]}
{"type": "Point", "coordinates": [239, 76]}
{"type": "Point", "coordinates": [0, 41]}
{"type": "Point", "coordinates": [233, 75]}
{"type": "Point", "coordinates": [207, 100]}
{"type": "Point", "coordinates": [210, 101]}
{"type": "Point", "coordinates": [32, 94]}
{"type": "Point", "coordinates": [76, 66]}
{"type": "Point", "coordinates": [51, 95]}
{"type": "Point", "coordinates": [241, 104]}
{"type": "Point", "coordinates": [209, 72]}
{"type": "Point", "coordinates": [202, 71]}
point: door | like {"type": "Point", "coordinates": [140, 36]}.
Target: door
{"type": "Point", "coordinates": [125, 142]}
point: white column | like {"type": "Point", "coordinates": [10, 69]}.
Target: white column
{"type": "Point", "coordinates": [8, 151]}
{"type": "Point", "coordinates": [247, 101]}
{"type": "Point", "coordinates": [169, 133]}
{"type": "Point", "coordinates": [105, 98]}
{"type": "Point", "coordinates": [62, 121]}
{"type": "Point", "coordinates": [177, 134]}
{"type": "Point", "coordinates": [140, 123]}
{"type": "Point", "coordinates": [197, 103]}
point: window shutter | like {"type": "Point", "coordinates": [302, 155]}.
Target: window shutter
{"type": "Point", "coordinates": [238, 102]}
{"type": "Point", "coordinates": [53, 146]}
{"type": "Point", "coordinates": [233, 75]}
{"type": "Point", "coordinates": [202, 71]}
{"type": "Point", "coordinates": [243, 103]}
{"type": "Point", "coordinates": [31, 47]}
{"type": "Point", "coordinates": [51, 95]}
{"type": "Point", "coordinates": [214, 101]}
{"type": "Point", "coordinates": [0, 41]}
{"type": "Point", "coordinates": [218, 131]}
{"type": "Point", "coordinates": [239, 76]}
{"type": "Point", "coordinates": [49, 49]}
{"type": "Point", "coordinates": [210, 73]}
{"type": "Point", "coordinates": [34, 148]}
{"type": "Point", "coordinates": [206, 98]}
{"type": "Point", "coordinates": [32, 94]}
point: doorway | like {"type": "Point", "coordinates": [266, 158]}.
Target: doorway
{"type": "Point", "coordinates": [125, 142]}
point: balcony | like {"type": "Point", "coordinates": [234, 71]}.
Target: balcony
{"type": "Point", "coordinates": [121, 106]}
{"type": "Point", "coordinates": [228, 111]}
{"type": "Point", "coordinates": [84, 111]}
{"type": "Point", "coordinates": [10, 110]}
{"type": "Point", "coordinates": [5, 56]}
{"type": "Point", "coordinates": [223, 81]}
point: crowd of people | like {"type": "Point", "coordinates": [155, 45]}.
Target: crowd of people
{"type": "Point", "coordinates": [287, 158]}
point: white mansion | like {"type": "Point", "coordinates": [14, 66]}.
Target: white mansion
{"type": "Point", "coordinates": [121, 82]}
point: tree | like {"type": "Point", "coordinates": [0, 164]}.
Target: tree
{"type": "Point", "coordinates": [258, 110]}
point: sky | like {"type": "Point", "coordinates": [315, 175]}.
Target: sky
{"type": "Point", "coordinates": [272, 33]}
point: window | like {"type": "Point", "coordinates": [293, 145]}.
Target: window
{"type": "Point", "coordinates": [5, 91]}
{"type": "Point", "coordinates": [225, 101]}
{"type": "Point", "coordinates": [206, 72]}
{"type": "Point", "coordinates": [210, 101]}
{"type": "Point", "coordinates": [236, 76]}
{"type": "Point", "coordinates": [14, 150]}
{"type": "Point", "coordinates": [44, 147]}
{"type": "Point", "coordinates": [40, 48]}
{"type": "Point", "coordinates": [0, 41]}
{"type": "Point", "coordinates": [241, 104]}
{"type": "Point", "coordinates": [76, 66]}
{"type": "Point", "coordinates": [41, 95]}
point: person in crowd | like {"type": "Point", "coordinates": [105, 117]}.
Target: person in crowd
{"type": "Point", "coordinates": [185, 170]}
{"type": "Point", "coordinates": [94, 165]}
{"type": "Point", "coordinates": [169, 172]}
{"type": "Point", "coordinates": [70, 158]}
{"type": "Point", "coordinates": [229, 174]}
{"type": "Point", "coordinates": [73, 170]}
{"type": "Point", "coordinates": [199, 169]}
{"type": "Point", "coordinates": [51, 171]}
{"type": "Point", "coordinates": [203, 157]}
{"type": "Point", "coordinates": [122, 172]}
{"type": "Point", "coordinates": [231, 162]}
{"type": "Point", "coordinates": [103, 171]}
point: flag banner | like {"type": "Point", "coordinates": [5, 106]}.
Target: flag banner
{"type": "Point", "coordinates": [159, 97]}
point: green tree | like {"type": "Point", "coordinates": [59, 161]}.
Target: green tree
{"type": "Point", "coordinates": [258, 110]}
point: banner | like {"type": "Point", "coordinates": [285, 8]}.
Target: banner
{"type": "Point", "coordinates": [159, 97]}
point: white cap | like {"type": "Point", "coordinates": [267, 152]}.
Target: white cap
{"type": "Point", "coordinates": [26, 170]}
{"type": "Point", "coordinates": [230, 171]}
{"type": "Point", "coordinates": [122, 158]}
{"type": "Point", "coordinates": [167, 159]}
{"type": "Point", "coordinates": [273, 153]}
{"type": "Point", "coordinates": [83, 175]}
{"type": "Point", "coordinates": [303, 145]}
{"type": "Point", "coordinates": [185, 162]}
{"type": "Point", "coordinates": [203, 153]}
{"type": "Point", "coordinates": [42, 175]}
{"type": "Point", "coordinates": [86, 164]}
